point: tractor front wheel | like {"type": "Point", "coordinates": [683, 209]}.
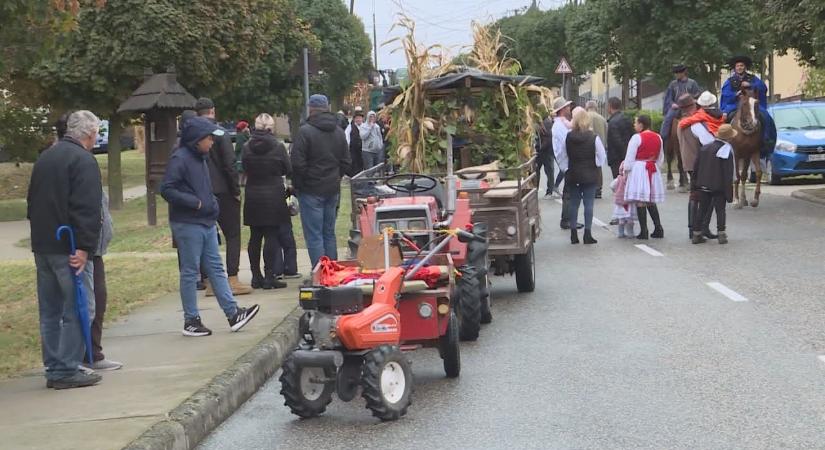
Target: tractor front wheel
{"type": "Point", "coordinates": [449, 348]}
{"type": "Point", "coordinates": [306, 390]}
{"type": "Point", "coordinates": [387, 382]}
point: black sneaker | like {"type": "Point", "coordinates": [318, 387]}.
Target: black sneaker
{"type": "Point", "coordinates": [290, 276]}
{"type": "Point", "coordinates": [242, 317]}
{"type": "Point", "coordinates": [77, 380]}
{"type": "Point", "coordinates": [200, 286]}
{"type": "Point", "coordinates": [194, 327]}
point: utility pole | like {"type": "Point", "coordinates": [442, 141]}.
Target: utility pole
{"type": "Point", "coordinates": [374, 35]}
{"type": "Point", "coordinates": [306, 83]}
{"type": "Point", "coordinates": [351, 6]}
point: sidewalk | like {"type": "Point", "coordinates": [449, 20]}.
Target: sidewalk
{"type": "Point", "coordinates": [811, 195]}
{"type": "Point", "coordinates": [162, 370]}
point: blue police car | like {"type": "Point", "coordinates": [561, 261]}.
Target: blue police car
{"type": "Point", "coordinates": [800, 143]}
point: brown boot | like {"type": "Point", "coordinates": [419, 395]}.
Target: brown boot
{"type": "Point", "coordinates": [209, 291]}
{"type": "Point", "coordinates": [239, 288]}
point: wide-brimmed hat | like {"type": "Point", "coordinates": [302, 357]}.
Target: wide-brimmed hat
{"type": "Point", "coordinates": [706, 99]}
{"type": "Point", "coordinates": [679, 68]}
{"type": "Point", "coordinates": [740, 59]}
{"type": "Point", "coordinates": [560, 103]}
{"type": "Point", "coordinates": [685, 101]}
{"type": "Point", "coordinates": [726, 132]}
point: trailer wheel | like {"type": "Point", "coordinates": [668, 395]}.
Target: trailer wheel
{"type": "Point", "coordinates": [449, 349]}
{"type": "Point", "coordinates": [387, 382]}
{"type": "Point", "coordinates": [469, 304]}
{"type": "Point", "coordinates": [306, 390]}
{"type": "Point", "coordinates": [526, 270]}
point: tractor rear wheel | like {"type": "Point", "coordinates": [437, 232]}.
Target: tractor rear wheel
{"type": "Point", "coordinates": [469, 303]}
{"type": "Point", "coordinates": [526, 270]}
{"type": "Point", "coordinates": [449, 348]}
{"type": "Point", "coordinates": [486, 299]}
{"type": "Point", "coordinates": [306, 390]}
{"type": "Point", "coordinates": [387, 382]}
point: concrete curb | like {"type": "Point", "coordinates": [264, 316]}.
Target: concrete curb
{"type": "Point", "coordinates": [802, 195]}
{"type": "Point", "coordinates": [188, 424]}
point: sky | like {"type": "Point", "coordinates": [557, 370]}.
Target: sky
{"type": "Point", "coordinates": [445, 22]}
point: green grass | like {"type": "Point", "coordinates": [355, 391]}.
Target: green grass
{"type": "Point", "coordinates": [131, 282]}
{"type": "Point", "coordinates": [12, 209]}
{"type": "Point", "coordinates": [132, 166]}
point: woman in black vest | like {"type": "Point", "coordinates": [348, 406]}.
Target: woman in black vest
{"type": "Point", "coordinates": [585, 157]}
{"type": "Point", "coordinates": [265, 211]}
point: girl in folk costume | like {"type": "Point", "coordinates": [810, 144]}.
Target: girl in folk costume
{"type": "Point", "coordinates": [644, 182]}
{"type": "Point", "coordinates": [623, 212]}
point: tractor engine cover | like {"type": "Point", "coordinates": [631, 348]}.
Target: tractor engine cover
{"type": "Point", "coordinates": [338, 300]}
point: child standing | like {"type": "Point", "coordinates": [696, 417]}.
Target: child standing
{"type": "Point", "coordinates": [622, 211]}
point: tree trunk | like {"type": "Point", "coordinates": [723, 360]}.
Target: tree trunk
{"type": "Point", "coordinates": [638, 93]}
{"type": "Point", "coordinates": [294, 123]}
{"type": "Point", "coordinates": [625, 89]}
{"type": "Point", "coordinates": [115, 173]}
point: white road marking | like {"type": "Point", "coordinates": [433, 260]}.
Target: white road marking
{"type": "Point", "coordinates": [648, 250]}
{"type": "Point", "coordinates": [559, 201]}
{"type": "Point", "coordinates": [726, 291]}
{"type": "Point", "coordinates": [599, 223]}
{"type": "Point", "coordinates": [821, 358]}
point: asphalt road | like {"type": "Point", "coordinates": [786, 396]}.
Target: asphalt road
{"type": "Point", "coordinates": [616, 348]}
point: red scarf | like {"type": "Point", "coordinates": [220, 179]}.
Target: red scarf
{"type": "Point", "coordinates": [699, 116]}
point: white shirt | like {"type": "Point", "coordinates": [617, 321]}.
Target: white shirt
{"type": "Point", "coordinates": [702, 133]}
{"type": "Point", "coordinates": [633, 147]}
{"type": "Point", "coordinates": [559, 132]}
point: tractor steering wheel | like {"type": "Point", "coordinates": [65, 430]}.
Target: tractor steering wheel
{"type": "Point", "coordinates": [406, 182]}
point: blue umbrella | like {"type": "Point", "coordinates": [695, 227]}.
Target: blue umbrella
{"type": "Point", "coordinates": [79, 295]}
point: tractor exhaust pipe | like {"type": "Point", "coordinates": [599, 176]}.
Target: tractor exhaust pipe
{"type": "Point", "coordinates": [450, 180]}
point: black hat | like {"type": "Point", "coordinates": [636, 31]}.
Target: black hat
{"type": "Point", "coordinates": [679, 68]}
{"type": "Point", "coordinates": [204, 103]}
{"type": "Point", "coordinates": [740, 59]}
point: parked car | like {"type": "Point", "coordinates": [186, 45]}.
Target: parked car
{"type": "Point", "coordinates": [127, 138]}
{"type": "Point", "coordinates": [800, 143]}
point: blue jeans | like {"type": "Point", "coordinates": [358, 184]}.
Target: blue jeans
{"type": "Point", "coordinates": [370, 159]}
{"type": "Point", "coordinates": [318, 214]}
{"type": "Point", "coordinates": [60, 333]}
{"type": "Point", "coordinates": [667, 123]}
{"type": "Point", "coordinates": [581, 193]}
{"type": "Point", "coordinates": [198, 248]}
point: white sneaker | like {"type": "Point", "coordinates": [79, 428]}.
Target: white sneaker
{"type": "Point", "coordinates": [105, 365]}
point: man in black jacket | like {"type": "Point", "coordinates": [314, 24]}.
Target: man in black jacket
{"type": "Point", "coordinates": [619, 132]}
{"type": "Point", "coordinates": [65, 189]}
{"type": "Point", "coordinates": [320, 157]}
{"type": "Point", "coordinates": [193, 209]}
{"type": "Point", "coordinates": [226, 187]}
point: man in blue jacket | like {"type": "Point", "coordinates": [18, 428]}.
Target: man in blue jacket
{"type": "Point", "coordinates": [738, 79]}
{"type": "Point", "coordinates": [193, 212]}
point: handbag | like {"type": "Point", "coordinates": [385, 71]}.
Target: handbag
{"type": "Point", "coordinates": [292, 205]}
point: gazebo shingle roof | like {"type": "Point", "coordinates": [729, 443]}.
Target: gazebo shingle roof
{"type": "Point", "coordinates": [160, 91]}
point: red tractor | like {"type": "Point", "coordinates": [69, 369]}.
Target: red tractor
{"type": "Point", "coordinates": [362, 315]}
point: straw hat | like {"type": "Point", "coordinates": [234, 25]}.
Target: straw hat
{"type": "Point", "coordinates": [726, 132]}
{"type": "Point", "coordinates": [560, 103]}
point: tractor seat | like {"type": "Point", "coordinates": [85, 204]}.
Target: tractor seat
{"type": "Point", "coordinates": [411, 285]}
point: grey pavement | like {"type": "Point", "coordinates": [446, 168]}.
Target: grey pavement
{"type": "Point", "coordinates": [162, 369]}
{"type": "Point", "coordinates": [616, 348]}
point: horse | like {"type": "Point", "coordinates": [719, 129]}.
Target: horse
{"type": "Point", "coordinates": [672, 151]}
{"type": "Point", "coordinates": [746, 147]}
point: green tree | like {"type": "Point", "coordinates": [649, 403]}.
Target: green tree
{"type": "Point", "coordinates": [794, 24]}
{"type": "Point", "coordinates": [212, 45]}
{"type": "Point", "coordinates": [344, 53]}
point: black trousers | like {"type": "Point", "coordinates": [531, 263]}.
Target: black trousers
{"type": "Point", "coordinates": [565, 205]}
{"type": "Point", "coordinates": [614, 168]}
{"type": "Point", "coordinates": [229, 221]}
{"type": "Point", "coordinates": [279, 250]}
{"type": "Point", "coordinates": [100, 307]}
{"type": "Point", "coordinates": [708, 203]}
{"type": "Point", "coordinates": [546, 160]}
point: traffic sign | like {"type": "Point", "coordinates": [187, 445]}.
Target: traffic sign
{"type": "Point", "coordinates": [564, 66]}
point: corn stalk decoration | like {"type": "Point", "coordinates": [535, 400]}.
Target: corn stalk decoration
{"type": "Point", "coordinates": [493, 123]}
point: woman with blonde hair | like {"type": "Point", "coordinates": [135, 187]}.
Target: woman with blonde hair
{"type": "Point", "coordinates": [265, 211]}
{"type": "Point", "coordinates": [585, 155]}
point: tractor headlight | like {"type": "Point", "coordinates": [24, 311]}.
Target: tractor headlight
{"type": "Point", "coordinates": [425, 310]}
{"type": "Point", "coordinates": [785, 146]}
{"type": "Point", "coordinates": [511, 230]}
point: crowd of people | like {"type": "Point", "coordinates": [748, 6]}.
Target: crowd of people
{"type": "Point", "coordinates": [203, 186]}
{"type": "Point", "coordinates": [580, 142]}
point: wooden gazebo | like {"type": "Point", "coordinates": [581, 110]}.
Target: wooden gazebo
{"type": "Point", "coordinates": [160, 99]}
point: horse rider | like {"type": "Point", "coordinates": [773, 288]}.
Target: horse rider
{"type": "Point", "coordinates": [680, 85]}
{"type": "Point", "coordinates": [734, 85]}
{"type": "Point", "coordinates": [693, 134]}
